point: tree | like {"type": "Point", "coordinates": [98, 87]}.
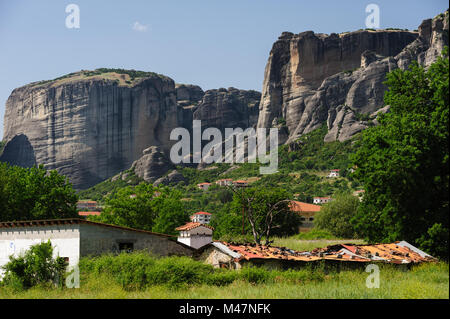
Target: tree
{"type": "Point", "coordinates": [403, 162]}
{"type": "Point", "coordinates": [130, 207]}
{"type": "Point", "coordinates": [37, 266]}
{"type": "Point", "coordinates": [336, 216]}
{"type": "Point", "coordinates": [144, 207]}
{"type": "Point", "coordinates": [35, 193]}
{"type": "Point", "coordinates": [267, 212]}
{"type": "Point", "coordinates": [171, 212]}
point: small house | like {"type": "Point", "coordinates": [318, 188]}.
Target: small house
{"type": "Point", "coordinates": [201, 217]}
{"type": "Point", "coordinates": [204, 186]}
{"type": "Point", "coordinates": [195, 235]}
{"type": "Point", "coordinates": [225, 182]}
{"type": "Point", "coordinates": [235, 256]}
{"type": "Point", "coordinates": [306, 211]}
{"type": "Point", "coordinates": [75, 238]}
{"type": "Point", "coordinates": [85, 214]}
{"type": "Point", "coordinates": [333, 173]}
{"type": "Point", "coordinates": [240, 183]}
{"type": "Point", "coordinates": [322, 200]}
{"type": "Point", "coordinates": [87, 205]}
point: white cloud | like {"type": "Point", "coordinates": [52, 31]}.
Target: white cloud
{"type": "Point", "coordinates": [137, 26]}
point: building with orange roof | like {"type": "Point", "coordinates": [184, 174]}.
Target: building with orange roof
{"type": "Point", "coordinates": [89, 213]}
{"type": "Point", "coordinates": [307, 213]}
{"type": "Point", "coordinates": [235, 255]}
{"type": "Point", "coordinates": [195, 234]}
{"type": "Point", "coordinates": [87, 205]}
{"type": "Point", "coordinates": [240, 183]}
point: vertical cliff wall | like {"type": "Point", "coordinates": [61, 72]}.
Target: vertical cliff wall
{"type": "Point", "coordinates": [89, 128]}
{"type": "Point", "coordinates": [313, 78]}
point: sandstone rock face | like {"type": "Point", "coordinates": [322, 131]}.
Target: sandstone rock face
{"type": "Point", "coordinates": [313, 78]}
{"type": "Point", "coordinates": [90, 128]}
{"type": "Point", "coordinates": [228, 108]}
{"type": "Point", "coordinates": [153, 164]}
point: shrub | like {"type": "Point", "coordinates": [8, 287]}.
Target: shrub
{"type": "Point", "coordinates": [139, 269]}
{"type": "Point", "coordinates": [221, 277]}
{"type": "Point", "coordinates": [255, 275]}
{"type": "Point", "coordinates": [176, 271]}
{"type": "Point", "coordinates": [35, 267]}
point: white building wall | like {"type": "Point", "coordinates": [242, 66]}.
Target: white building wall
{"type": "Point", "coordinates": [65, 240]}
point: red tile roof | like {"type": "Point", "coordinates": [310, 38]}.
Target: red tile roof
{"type": "Point", "coordinates": [89, 213]}
{"type": "Point", "coordinates": [202, 213]}
{"type": "Point", "coordinates": [297, 206]}
{"type": "Point", "coordinates": [192, 225]}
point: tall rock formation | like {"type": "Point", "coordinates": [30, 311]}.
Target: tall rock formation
{"type": "Point", "coordinates": [313, 78]}
{"type": "Point", "coordinates": [92, 125]}
{"type": "Point", "coordinates": [89, 125]}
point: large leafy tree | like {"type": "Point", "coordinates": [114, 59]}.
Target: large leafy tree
{"type": "Point", "coordinates": [144, 207]}
{"type": "Point", "coordinates": [35, 193]}
{"type": "Point", "coordinates": [266, 213]}
{"type": "Point", "coordinates": [403, 162]}
{"type": "Point", "coordinates": [336, 216]}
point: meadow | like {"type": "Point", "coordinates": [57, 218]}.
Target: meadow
{"type": "Point", "coordinates": [139, 275]}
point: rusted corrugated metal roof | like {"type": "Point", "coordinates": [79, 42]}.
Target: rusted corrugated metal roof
{"type": "Point", "coordinates": [396, 253]}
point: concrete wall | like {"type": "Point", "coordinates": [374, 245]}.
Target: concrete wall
{"type": "Point", "coordinates": [64, 239]}
{"type": "Point", "coordinates": [96, 240]}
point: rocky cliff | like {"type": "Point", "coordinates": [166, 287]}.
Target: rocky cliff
{"type": "Point", "coordinates": [315, 78]}
{"type": "Point", "coordinates": [91, 125]}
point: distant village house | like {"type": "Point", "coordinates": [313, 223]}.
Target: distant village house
{"type": "Point", "coordinates": [204, 186]}
{"type": "Point", "coordinates": [225, 182]}
{"type": "Point", "coordinates": [334, 173]}
{"type": "Point", "coordinates": [201, 217]}
{"type": "Point", "coordinates": [195, 234]}
{"type": "Point", "coordinates": [307, 212]}
{"type": "Point", "coordinates": [322, 200]}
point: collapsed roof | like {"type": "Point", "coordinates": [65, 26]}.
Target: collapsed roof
{"type": "Point", "coordinates": [394, 253]}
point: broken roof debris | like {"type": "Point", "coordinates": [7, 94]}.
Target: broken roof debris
{"type": "Point", "coordinates": [394, 253]}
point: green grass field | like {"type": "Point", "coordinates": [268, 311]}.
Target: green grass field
{"type": "Point", "coordinates": [427, 281]}
{"type": "Point", "coordinates": [139, 275]}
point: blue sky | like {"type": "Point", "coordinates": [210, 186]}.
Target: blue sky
{"type": "Point", "coordinates": [205, 42]}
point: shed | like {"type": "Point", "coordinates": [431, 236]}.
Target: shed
{"type": "Point", "coordinates": [75, 238]}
